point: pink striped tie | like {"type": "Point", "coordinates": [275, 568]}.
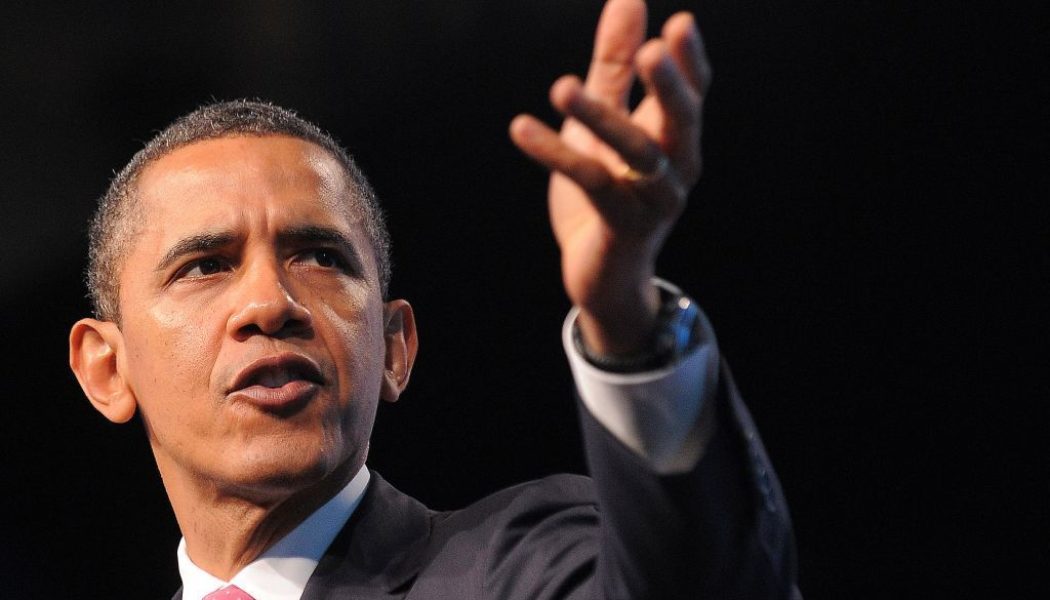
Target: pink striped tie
{"type": "Point", "coordinates": [230, 592]}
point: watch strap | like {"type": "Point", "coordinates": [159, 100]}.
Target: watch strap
{"type": "Point", "coordinates": [677, 333]}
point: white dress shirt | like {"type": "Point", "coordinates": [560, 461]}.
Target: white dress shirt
{"type": "Point", "coordinates": [282, 571]}
{"type": "Point", "coordinates": [654, 413]}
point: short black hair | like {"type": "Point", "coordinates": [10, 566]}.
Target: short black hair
{"type": "Point", "coordinates": [115, 220]}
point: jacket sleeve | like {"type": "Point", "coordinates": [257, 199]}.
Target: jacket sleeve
{"type": "Point", "coordinates": [718, 530]}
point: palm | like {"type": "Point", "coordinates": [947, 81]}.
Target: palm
{"type": "Point", "coordinates": [592, 240]}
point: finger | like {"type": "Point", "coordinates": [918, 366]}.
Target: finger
{"type": "Point", "coordinates": [611, 126]}
{"type": "Point", "coordinates": [545, 146]}
{"type": "Point", "coordinates": [679, 104]}
{"type": "Point", "coordinates": [621, 31]}
{"type": "Point", "coordinates": [687, 48]}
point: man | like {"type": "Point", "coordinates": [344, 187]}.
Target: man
{"type": "Point", "coordinates": [239, 270]}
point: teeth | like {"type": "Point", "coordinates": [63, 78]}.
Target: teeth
{"type": "Point", "coordinates": [274, 379]}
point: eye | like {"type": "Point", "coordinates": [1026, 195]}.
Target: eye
{"type": "Point", "coordinates": [202, 267]}
{"type": "Point", "coordinates": [323, 257]}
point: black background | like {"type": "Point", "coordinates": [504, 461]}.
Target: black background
{"type": "Point", "coordinates": [865, 239]}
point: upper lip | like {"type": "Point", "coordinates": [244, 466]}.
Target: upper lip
{"type": "Point", "coordinates": [286, 365]}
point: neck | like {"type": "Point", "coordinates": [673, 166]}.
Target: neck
{"type": "Point", "coordinates": [226, 529]}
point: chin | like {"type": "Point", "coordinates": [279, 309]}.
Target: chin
{"type": "Point", "coordinates": [292, 470]}
{"type": "Point", "coordinates": [289, 467]}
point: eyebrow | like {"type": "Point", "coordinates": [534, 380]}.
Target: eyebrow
{"type": "Point", "coordinates": [203, 243]}
{"type": "Point", "coordinates": [200, 243]}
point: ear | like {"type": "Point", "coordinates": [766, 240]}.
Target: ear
{"type": "Point", "coordinates": [95, 355]}
{"type": "Point", "coordinates": [401, 345]}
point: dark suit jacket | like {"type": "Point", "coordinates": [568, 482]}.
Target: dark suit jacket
{"type": "Point", "coordinates": [720, 531]}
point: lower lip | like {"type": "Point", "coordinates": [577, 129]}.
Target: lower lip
{"type": "Point", "coordinates": [286, 397]}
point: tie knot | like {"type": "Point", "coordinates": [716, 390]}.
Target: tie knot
{"type": "Point", "coordinates": [230, 592]}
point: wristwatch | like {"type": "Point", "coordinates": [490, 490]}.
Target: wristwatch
{"type": "Point", "coordinates": [677, 333]}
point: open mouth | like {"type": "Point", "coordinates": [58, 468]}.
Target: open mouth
{"type": "Point", "coordinates": [278, 383]}
{"type": "Point", "coordinates": [278, 371]}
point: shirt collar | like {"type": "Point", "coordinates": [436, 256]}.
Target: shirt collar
{"type": "Point", "coordinates": [281, 572]}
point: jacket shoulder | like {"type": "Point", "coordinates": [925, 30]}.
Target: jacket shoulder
{"type": "Point", "coordinates": [524, 541]}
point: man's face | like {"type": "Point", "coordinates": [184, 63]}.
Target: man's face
{"type": "Point", "coordinates": [252, 320]}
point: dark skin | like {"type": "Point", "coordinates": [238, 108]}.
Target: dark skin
{"type": "Point", "coordinates": [255, 343]}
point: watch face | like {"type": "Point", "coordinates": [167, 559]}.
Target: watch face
{"type": "Point", "coordinates": [683, 325]}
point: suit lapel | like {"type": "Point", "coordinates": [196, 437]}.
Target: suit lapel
{"type": "Point", "coordinates": [379, 550]}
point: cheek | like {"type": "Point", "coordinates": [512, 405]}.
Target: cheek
{"type": "Point", "coordinates": [171, 354]}
{"type": "Point", "coordinates": [358, 347]}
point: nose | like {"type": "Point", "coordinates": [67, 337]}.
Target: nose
{"type": "Point", "coordinates": [264, 305]}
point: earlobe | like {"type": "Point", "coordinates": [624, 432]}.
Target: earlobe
{"type": "Point", "coordinates": [94, 356]}
{"type": "Point", "coordinates": [399, 334]}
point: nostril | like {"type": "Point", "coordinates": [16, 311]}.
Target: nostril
{"type": "Point", "coordinates": [269, 321]}
{"type": "Point", "coordinates": [251, 329]}
{"type": "Point", "coordinates": [295, 325]}
{"type": "Point", "coordinates": [277, 324]}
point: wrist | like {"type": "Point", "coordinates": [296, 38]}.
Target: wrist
{"type": "Point", "coordinates": [675, 331]}
{"type": "Point", "coordinates": [622, 326]}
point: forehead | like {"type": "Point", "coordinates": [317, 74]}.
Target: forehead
{"type": "Point", "coordinates": [243, 172]}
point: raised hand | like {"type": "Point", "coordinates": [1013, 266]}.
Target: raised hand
{"type": "Point", "coordinates": [620, 178]}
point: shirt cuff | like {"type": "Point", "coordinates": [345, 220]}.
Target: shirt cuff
{"type": "Point", "coordinates": [657, 414]}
